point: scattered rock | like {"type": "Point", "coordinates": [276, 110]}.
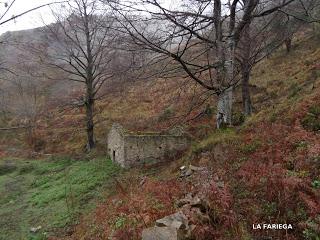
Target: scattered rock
{"type": "Point", "coordinates": [181, 202]}
{"type": "Point", "coordinates": [35, 229]}
{"type": "Point", "coordinates": [193, 202]}
{"type": "Point", "coordinates": [177, 220]}
{"type": "Point", "coordinates": [172, 227]}
{"type": "Point", "coordinates": [161, 233]}
{"type": "Point", "coordinates": [188, 171]}
{"type": "Point", "coordinates": [220, 184]}
{"type": "Point", "coordinates": [194, 207]}
{"type": "Point", "coordinates": [143, 180]}
{"type": "Point", "coordinates": [199, 203]}
{"type": "Point", "coordinates": [178, 225]}
{"type": "Point", "coordinates": [183, 168]}
{"type": "Point", "coordinates": [200, 216]}
{"type": "Point", "coordinates": [117, 202]}
{"type": "Point", "coordinates": [194, 168]}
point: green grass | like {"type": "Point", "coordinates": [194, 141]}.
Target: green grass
{"type": "Point", "coordinates": [250, 147]}
{"type": "Point", "coordinates": [312, 119]}
{"type": "Point", "coordinates": [217, 137]}
{"type": "Point", "coordinates": [49, 193]}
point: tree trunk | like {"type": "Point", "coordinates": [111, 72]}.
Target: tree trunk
{"type": "Point", "coordinates": [246, 98]}
{"type": "Point", "coordinates": [225, 73]}
{"type": "Point", "coordinates": [30, 137]}
{"type": "Point", "coordinates": [89, 119]}
{"type": "Point", "coordinates": [245, 71]}
{"type": "Point", "coordinates": [89, 82]}
{"type": "Point", "coordinates": [224, 112]}
{"type": "Point", "coordinates": [288, 43]}
{"type": "Point", "coordinates": [225, 98]}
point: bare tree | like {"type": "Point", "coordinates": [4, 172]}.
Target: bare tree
{"type": "Point", "coordinates": [258, 40]}
{"type": "Point", "coordinates": [28, 104]}
{"type": "Point", "coordinates": [9, 5]}
{"type": "Point", "coordinates": [292, 18]}
{"type": "Point", "coordinates": [4, 19]}
{"type": "Point", "coordinates": [83, 39]}
{"type": "Point", "coordinates": [24, 99]}
{"type": "Point", "coordinates": [201, 36]}
{"type": "Point", "coordinates": [262, 36]}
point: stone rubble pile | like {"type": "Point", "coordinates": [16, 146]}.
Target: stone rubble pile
{"type": "Point", "coordinates": [172, 227]}
{"type": "Point", "coordinates": [190, 170]}
{"type": "Point", "coordinates": [178, 226]}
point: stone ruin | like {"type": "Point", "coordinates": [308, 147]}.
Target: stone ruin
{"type": "Point", "coordinates": [133, 149]}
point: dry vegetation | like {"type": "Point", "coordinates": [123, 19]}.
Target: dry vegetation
{"type": "Point", "coordinates": [269, 165]}
{"type": "Point", "coordinates": [57, 178]}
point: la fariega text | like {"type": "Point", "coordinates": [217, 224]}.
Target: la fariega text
{"type": "Point", "coordinates": [271, 226]}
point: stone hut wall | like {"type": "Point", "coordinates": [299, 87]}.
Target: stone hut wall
{"type": "Point", "coordinates": [140, 149]}
{"type": "Point", "coordinates": [116, 145]}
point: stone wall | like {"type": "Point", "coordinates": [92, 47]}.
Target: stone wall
{"type": "Point", "coordinates": [116, 144]}
{"type": "Point", "coordinates": [140, 149]}
{"type": "Point", "coordinates": [131, 149]}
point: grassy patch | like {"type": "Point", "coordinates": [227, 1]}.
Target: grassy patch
{"type": "Point", "coordinates": [7, 168]}
{"type": "Point", "coordinates": [238, 118]}
{"type": "Point", "coordinates": [219, 136]}
{"type": "Point", "coordinates": [294, 90]}
{"type": "Point", "coordinates": [251, 147]}
{"type": "Point", "coordinates": [312, 119]}
{"type": "Point", "coordinates": [166, 114]}
{"type": "Point", "coordinates": [49, 193]}
{"type": "Point", "coordinates": [269, 208]}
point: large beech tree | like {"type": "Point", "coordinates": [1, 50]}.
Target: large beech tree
{"type": "Point", "coordinates": [84, 51]}
{"type": "Point", "coordinates": [201, 36]}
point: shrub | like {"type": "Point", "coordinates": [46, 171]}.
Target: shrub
{"type": "Point", "coordinates": [314, 75]}
{"type": "Point", "coordinates": [294, 89]}
{"type": "Point", "coordinates": [311, 232]}
{"type": "Point", "coordinates": [6, 168]}
{"type": "Point", "coordinates": [166, 114]}
{"type": "Point", "coordinates": [203, 131]}
{"type": "Point", "coordinates": [269, 208]}
{"type": "Point", "coordinates": [39, 145]}
{"type": "Point", "coordinates": [300, 145]}
{"type": "Point", "coordinates": [316, 29]}
{"type": "Point", "coordinates": [308, 62]}
{"type": "Point", "coordinates": [238, 118]}
{"type": "Point", "coordinates": [315, 109]}
{"type": "Point", "coordinates": [120, 222]}
{"type": "Point", "coordinates": [251, 147]}
{"type": "Point", "coordinates": [209, 111]}
{"type": "Point", "coordinates": [316, 184]}
{"type": "Point", "coordinates": [312, 119]}
{"type": "Point", "coordinates": [27, 168]}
